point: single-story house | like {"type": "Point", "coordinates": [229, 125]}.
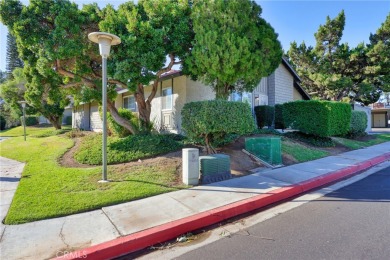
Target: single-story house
{"type": "Point", "coordinates": [176, 89]}
{"type": "Point", "coordinates": [67, 113]}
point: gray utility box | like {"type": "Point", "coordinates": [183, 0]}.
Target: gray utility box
{"type": "Point", "coordinates": [214, 168]}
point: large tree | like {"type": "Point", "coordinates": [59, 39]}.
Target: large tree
{"type": "Point", "coordinates": [151, 31]}
{"type": "Point", "coordinates": [12, 56]}
{"type": "Point", "coordinates": [332, 70]}
{"type": "Point", "coordinates": [233, 47]}
{"type": "Point", "coordinates": [12, 91]}
{"type": "Point", "coordinates": [379, 56]}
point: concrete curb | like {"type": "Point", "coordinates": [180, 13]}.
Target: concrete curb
{"type": "Point", "coordinates": [143, 239]}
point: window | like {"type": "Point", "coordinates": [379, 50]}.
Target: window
{"type": "Point", "coordinates": [129, 103]}
{"type": "Point", "coordinates": [167, 98]}
{"type": "Point", "coordinates": [245, 97]}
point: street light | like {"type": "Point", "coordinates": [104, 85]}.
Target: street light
{"type": "Point", "coordinates": [24, 117]}
{"type": "Point", "coordinates": [105, 40]}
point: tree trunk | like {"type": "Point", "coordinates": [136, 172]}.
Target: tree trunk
{"type": "Point", "coordinates": [209, 148]}
{"type": "Point", "coordinates": [55, 121]}
{"type": "Point", "coordinates": [222, 91]}
{"type": "Point", "coordinates": [120, 120]}
{"type": "Point", "coordinates": [144, 107]}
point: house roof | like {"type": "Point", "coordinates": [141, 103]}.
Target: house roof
{"type": "Point", "coordinates": [170, 74]}
{"type": "Point", "coordinates": [177, 73]}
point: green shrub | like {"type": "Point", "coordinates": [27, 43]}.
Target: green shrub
{"type": "Point", "coordinates": [266, 131]}
{"type": "Point", "coordinates": [310, 139]}
{"type": "Point", "coordinates": [126, 149]}
{"type": "Point", "coordinates": [51, 133]}
{"type": "Point", "coordinates": [75, 133]}
{"type": "Point", "coordinates": [358, 123]}
{"type": "Point", "coordinates": [214, 119]}
{"type": "Point", "coordinates": [30, 120]}
{"type": "Point", "coordinates": [118, 130]}
{"type": "Point", "coordinates": [68, 120]}
{"type": "Point", "coordinates": [264, 115]}
{"type": "Point", "coordinates": [320, 118]}
{"type": "Point", "coordinates": [2, 122]}
{"type": "Point", "coordinates": [279, 122]}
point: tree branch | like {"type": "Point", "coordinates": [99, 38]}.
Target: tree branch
{"type": "Point", "coordinates": [117, 82]}
{"type": "Point", "coordinates": [159, 73]}
{"type": "Point", "coordinates": [69, 74]}
{"type": "Point", "coordinates": [70, 85]}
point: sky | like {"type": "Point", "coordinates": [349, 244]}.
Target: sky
{"type": "Point", "coordinates": [294, 20]}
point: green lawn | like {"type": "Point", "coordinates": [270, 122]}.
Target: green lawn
{"type": "Point", "coordinates": [300, 152]}
{"type": "Point", "coordinates": [125, 149]}
{"type": "Point", "coordinates": [33, 131]}
{"type": "Point", "coordinates": [47, 190]}
{"type": "Point", "coordinates": [355, 144]}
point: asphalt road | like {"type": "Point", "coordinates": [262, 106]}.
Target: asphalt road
{"type": "Point", "coordinates": [350, 223]}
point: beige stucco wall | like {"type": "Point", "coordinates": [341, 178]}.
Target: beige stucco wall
{"type": "Point", "coordinates": [169, 119]}
{"type": "Point", "coordinates": [197, 91]}
{"type": "Point", "coordinates": [119, 100]}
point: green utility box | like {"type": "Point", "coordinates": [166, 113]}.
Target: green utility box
{"type": "Point", "coordinates": [214, 168]}
{"type": "Point", "coordinates": [267, 149]}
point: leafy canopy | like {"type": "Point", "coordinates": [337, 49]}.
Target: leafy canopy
{"type": "Point", "coordinates": [333, 71]}
{"type": "Point", "coordinates": [233, 46]}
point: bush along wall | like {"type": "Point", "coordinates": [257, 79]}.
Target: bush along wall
{"type": "Point", "coordinates": [118, 130]}
{"type": "Point", "coordinates": [2, 122]}
{"type": "Point", "coordinates": [358, 123]}
{"type": "Point", "coordinates": [30, 120]}
{"type": "Point", "coordinates": [212, 120]}
{"type": "Point", "coordinates": [264, 115]}
{"type": "Point", "coordinates": [279, 122]}
{"type": "Point", "coordinates": [320, 118]}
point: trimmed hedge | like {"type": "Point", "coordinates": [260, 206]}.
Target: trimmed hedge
{"type": "Point", "coordinates": [279, 121]}
{"type": "Point", "coordinates": [264, 115]}
{"type": "Point", "coordinates": [358, 123]}
{"type": "Point", "coordinates": [214, 119]}
{"type": "Point", "coordinates": [2, 122]}
{"type": "Point", "coordinates": [30, 120]}
{"type": "Point", "coordinates": [118, 130]}
{"type": "Point", "coordinates": [320, 118]}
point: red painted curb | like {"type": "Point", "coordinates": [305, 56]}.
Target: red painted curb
{"type": "Point", "coordinates": [165, 232]}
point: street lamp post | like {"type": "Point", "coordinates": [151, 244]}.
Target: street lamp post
{"type": "Point", "coordinates": [105, 40]}
{"type": "Point", "coordinates": [24, 117]}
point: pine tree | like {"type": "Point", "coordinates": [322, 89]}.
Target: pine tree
{"type": "Point", "coordinates": [12, 57]}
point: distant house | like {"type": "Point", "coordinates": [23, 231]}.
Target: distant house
{"type": "Point", "coordinates": [380, 115]}
{"type": "Point", "coordinates": [176, 89]}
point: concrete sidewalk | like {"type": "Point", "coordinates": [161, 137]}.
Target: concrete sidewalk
{"type": "Point", "coordinates": [128, 227]}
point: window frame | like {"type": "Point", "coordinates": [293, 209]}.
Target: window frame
{"type": "Point", "coordinates": [165, 97]}
{"type": "Point", "coordinates": [135, 103]}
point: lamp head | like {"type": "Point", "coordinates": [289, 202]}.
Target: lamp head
{"type": "Point", "coordinates": [23, 103]}
{"type": "Point", "coordinates": [105, 40]}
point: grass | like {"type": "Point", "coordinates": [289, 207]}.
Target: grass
{"type": "Point", "coordinates": [125, 149]}
{"type": "Point", "coordinates": [34, 131]}
{"type": "Point", "coordinates": [47, 190]}
{"type": "Point", "coordinates": [355, 144]}
{"type": "Point", "coordinates": [300, 152]}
